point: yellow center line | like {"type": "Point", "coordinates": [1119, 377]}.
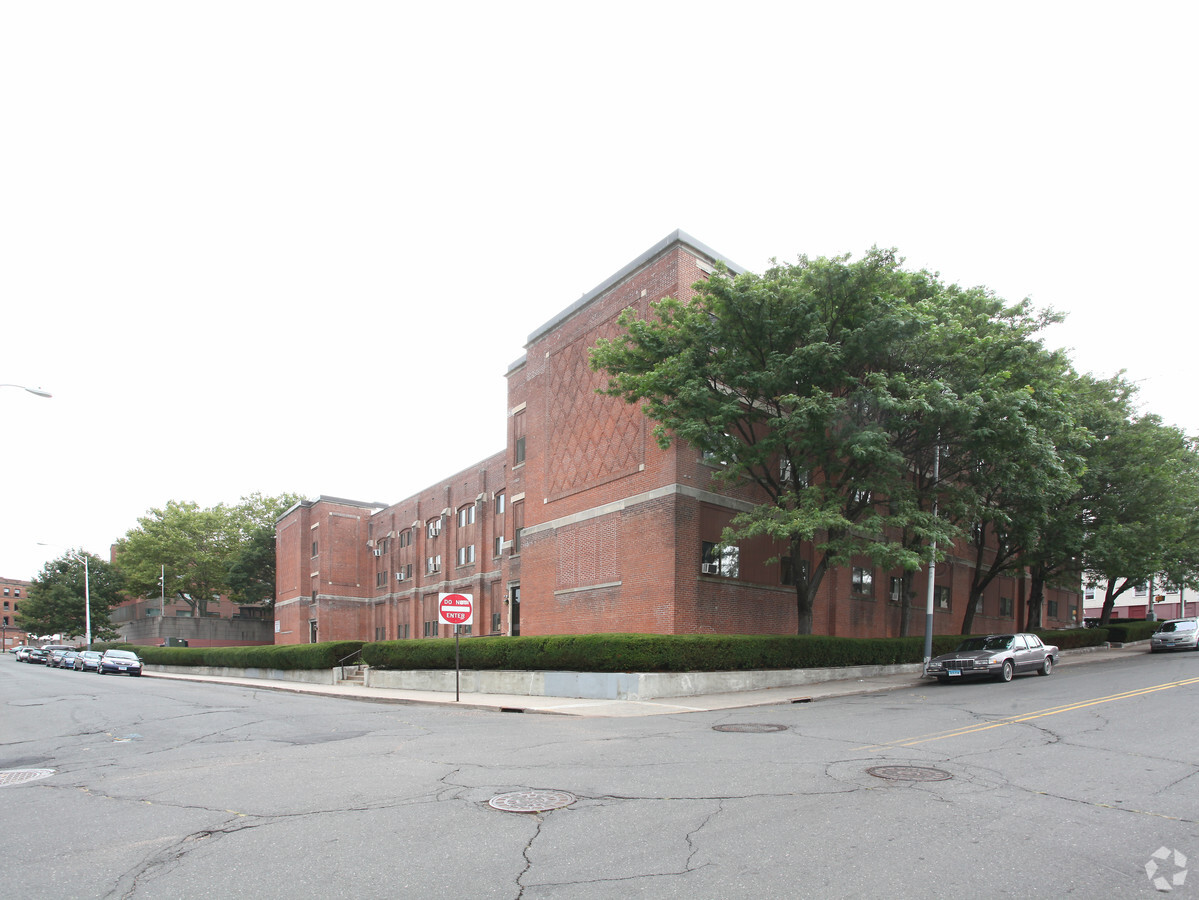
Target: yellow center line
{"type": "Point", "coordinates": [1026, 717]}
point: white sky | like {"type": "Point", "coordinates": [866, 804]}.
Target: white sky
{"type": "Point", "coordinates": [266, 246]}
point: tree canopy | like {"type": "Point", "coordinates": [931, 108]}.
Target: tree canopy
{"type": "Point", "coordinates": [205, 552]}
{"type": "Point", "coordinates": [830, 384]}
{"type": "Point", "coordinates": [59, 598]}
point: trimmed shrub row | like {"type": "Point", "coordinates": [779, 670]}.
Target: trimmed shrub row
{"type": "Point", "coordinates": [674, 653]}
{"type": "Point", "coordinates": [609, 652]}
{"type": "Point", "coordinates": [286, 657]}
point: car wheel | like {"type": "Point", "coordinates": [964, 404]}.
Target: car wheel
{"type": "Point", "coordinates": [1008, 670]}
{"type": "Point", "coordinates": [1046, 667]}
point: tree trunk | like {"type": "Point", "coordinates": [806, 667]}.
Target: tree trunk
{"type": "Point", "coordinates": [905, 604]}
{"type": "Point", "coordinates": [1036, 598]}
{"type": "Point", "coordinates": [971, 605]}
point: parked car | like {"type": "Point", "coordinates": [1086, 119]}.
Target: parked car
{"type": "Point", "coordinates": [65, 659]}
{"type": "Point", "coordinates": [54, 655]}
{"type": "Point", "coordinates": [119, 662]}
{"type": "Point", "coordinates": [23, 653]}
{"type": "Point", "coordinates": [1176, 634]}
{"type": "Point", "coordinates": [53, 651]}
{"type": "Point", "coordinates": [36, 655]}
{"type": "Point", "coordinates": [88, 660]}
{"type": "Point", "coordinates": [1000, 656]}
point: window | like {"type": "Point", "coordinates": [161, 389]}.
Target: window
{"type": "Point", "coordinates": [381, 578]}
{"type": "Point", "coordinates": [466, 516]}
{"type": "Point", "coordinates": [6, 604]}
{"type": "Point", "coordinates": [1006, 607]}
{"type": "Point", "coordinates": [402, 631]}
{"type": "Point", "coordinates": [434, 527]}
{"type": "Point", "coordinates": [405, 538]}
{"type": "Point", "coordinates": [499, 546]}
{"type": "Point", "coordinates": [495, 623]}
{"type": "Point", "coordinates": [466, 555]}
{"type": "Point", "coordinates": [464, 629]}
{"type": "Point", "coordinates": [518, 438]}
{"type": "Point", "coordinates": [978, 606]}
{"type": "Point", "coordinates": [1141, 590]}
{"type": "Point", "coordinates": [861, 497]}
{"type": "Point", "coordinates": [432, 629]}
{"type": "Point", "coordinates": [1089, 592]}
{"type": "Point", "coordinates": [314, 548]}
{"type": "Point", "coordinates": [863, 582]}
{"type": "Point", "coordinates": [723, 561]}
{"type": "Point", "coordinates": [500, 501]}
{"type": "Point", "coordinates": [518, 524]}
{"type": "Point", "coordinates": [895, 591]}
{"type": "Point", "coordinates": [1053, 609]}
{"type": "Point", "coordinates": [941, 597]}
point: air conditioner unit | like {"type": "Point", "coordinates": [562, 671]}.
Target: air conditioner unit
{"type": "Point", "coordinates": [399, 576]}
{"type": "Point", "coordinates": [710, 568]}
{"type": "Point", "coordinates": [378, 553]}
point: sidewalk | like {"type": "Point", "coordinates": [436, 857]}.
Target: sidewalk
{"type": "Point", "coordinates": [574, 706]}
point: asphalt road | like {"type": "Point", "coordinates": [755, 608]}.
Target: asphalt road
{"type": "Point", "coordinates": [1045, 787]}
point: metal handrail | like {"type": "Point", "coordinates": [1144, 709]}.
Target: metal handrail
{"type": "Point", "coordinates": [358, 653]}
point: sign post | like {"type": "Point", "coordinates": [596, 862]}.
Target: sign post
{"type": "Point", "coordinates": [456, 609]}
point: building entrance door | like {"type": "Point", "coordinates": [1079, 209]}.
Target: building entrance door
{"type": "Point", "coordinates": [514, 610]}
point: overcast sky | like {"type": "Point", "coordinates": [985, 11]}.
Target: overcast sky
{"type": "Point", "coordinates": [265, 246]}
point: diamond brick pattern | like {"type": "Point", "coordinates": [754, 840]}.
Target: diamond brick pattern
{"type": "Point", "coordinates": [592, 438]}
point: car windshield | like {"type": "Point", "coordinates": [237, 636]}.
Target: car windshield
{"type": "Point", "coordinates": [1179, 626]}
{"type": "Point", "coordinates": [994, 642]}
{"type": "Point", "coordinates": [121, 654]}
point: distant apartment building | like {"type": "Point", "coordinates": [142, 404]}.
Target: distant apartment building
{"type": "Point", "coordinates": [12, 591]}
{"type": "Point", "coordinates": [583, 524]}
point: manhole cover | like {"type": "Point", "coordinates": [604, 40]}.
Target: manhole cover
{"type": "Point", "coordinates": [531, 801]}
{"type": "Point", "coordinates": [909, 773]}
{"type": "Point", "coordinates": [750, 727]}
{"type": "Point", "coordinates": [20, 776]}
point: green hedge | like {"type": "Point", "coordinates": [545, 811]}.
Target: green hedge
{"type": "Point", "coordinates": [287, 657]}
{"type": "Point", "coordinates": [1127, 632]}
{"type": "Point", "coordinates": [609, 652]}
{"type": "Point", "coordinates": [652, 652]}
{"type": "Point", "coordinates": [1073, 638]}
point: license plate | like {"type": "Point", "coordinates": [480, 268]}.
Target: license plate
{"type": "Point", "coordinates": [121, 668]}
{"type": "Point", "coordinates": [953, 672]}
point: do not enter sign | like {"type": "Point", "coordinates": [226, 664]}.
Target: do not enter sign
{"type": "Point", "coordinates": [456, 609]}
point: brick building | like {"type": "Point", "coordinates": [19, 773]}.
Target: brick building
{"type": "Point", "coordinates": [583, 523]}
{"type": "Point", "coordinates": [13, 591]}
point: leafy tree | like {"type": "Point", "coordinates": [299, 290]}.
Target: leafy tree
{"type": "Point", "coordinates": [205, 552]}
{"type": "Point", "coordinates": [59, 599]}
{"type": "Point", "coordinates": [1142, 508]}
{"type": "Point", "coordinates": [252, 567]}
{"type": "Point", "coordinates": [829, 385]}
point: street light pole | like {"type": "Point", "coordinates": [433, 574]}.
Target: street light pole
{"type": "Point", "coordinates": [87, 591]}
{"type": "Point", "coordinates": [932, 564]}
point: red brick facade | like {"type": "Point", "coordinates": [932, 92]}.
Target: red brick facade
{"type": "Point", "coordinates": [602, 530]}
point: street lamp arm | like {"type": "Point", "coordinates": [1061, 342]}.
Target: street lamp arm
{"type": "Point", "coordinates": [38, 392]}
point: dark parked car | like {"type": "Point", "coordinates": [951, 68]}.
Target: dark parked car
{"type": "Point", "coordinates": [36, 655]}
{"type": "Point", "coordinates": [65, 659]}
{"type": "Point", "coordinates": [88, 660]}
{"type": "Point", "coordinates": [1176, 634]}
{"type": "Point", "coordinates": [53, 651]}
{"type": "Point", "coordinates": [119, 662]}
{"type": "Point", "coordinates": [1000, 656]}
